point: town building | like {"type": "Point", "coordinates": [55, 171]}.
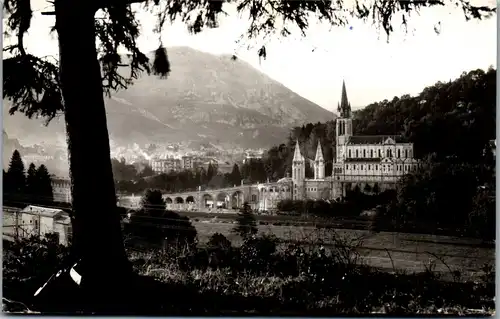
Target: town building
{"type": "Point", "coordinates": [250, 155]}
{"type": "Point", "coordinates": [40, 221]}
{"type": "Point", "coordinates": [187, 162]}
{"type": "Point", "coordinates": [166, 165]}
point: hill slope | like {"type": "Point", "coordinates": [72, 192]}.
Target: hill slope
{"type": "Point", "coordinates": [206, 98]}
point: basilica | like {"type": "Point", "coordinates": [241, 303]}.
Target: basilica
{"type": "Point", "coordinates": [369, 161]}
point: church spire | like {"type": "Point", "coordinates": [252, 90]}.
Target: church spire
{"type": "Point", "coordinates": [319, 153]}
{"type": "Point", "coordinates": [296, 155]}
{"type": "Point", "coordinates": [344, 107]}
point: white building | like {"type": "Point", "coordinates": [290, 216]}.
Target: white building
{"type": "Point", "coordinates": [39, 221]}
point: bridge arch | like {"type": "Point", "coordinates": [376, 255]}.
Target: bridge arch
{"type": "Point", "coordinates": [223, 200]}
{"type": "Point", "coordinates": [179, 200]}
{"type": "Point", "coordinates": [207, 201]}
{"type": "Point", "coordinates": [168, 200]}
{"type": "Point", "coordinates": [237, 199]}
{"type": "Point", "coordinates": [190, 199]}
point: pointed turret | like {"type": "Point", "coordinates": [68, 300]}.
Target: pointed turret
{"type": "Point", "coordinates": [298, 165]}
{"type": "Point", "coordinates": [297, 156]}
{"type": "Point", "coordinates": [345, 106]}
{"type": "Point", "coordinates": [319, 153]}
{"type": "Point", "coordinates": [319, 163]}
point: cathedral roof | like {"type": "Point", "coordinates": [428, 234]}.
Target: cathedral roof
{"type": "Point", "coordinates": [285, 180]}
{"type": "Point", "coordinates": [356, 160]}
{"type": "Point", "coordinates": [375, 139]}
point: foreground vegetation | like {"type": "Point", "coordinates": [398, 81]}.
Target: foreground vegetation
{"type": "Point", "coordinates": [257, 277]}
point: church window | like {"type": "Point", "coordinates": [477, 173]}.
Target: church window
{"type": "Point", "coordinates": [254, 198]}
{"type": "Point", "coordinates": [349, 153]}
{"type": "Point", "coordinates": [389, 153]}
{"type": "Point", "coordinates": [369, 167]}
{"type": "Point", "coordinates": [357, 155]}
{"type": "Point", "coordinates": [361, 167]}
{"type": "Point", "coordinates": [379, 153]}
{"type": "Point", "coordinates": [406, 153]}
{"type": "Point", "coordinates": [410, 154]}
{"type": "Point", "coordinates": [399, 153]}
{"type": "Point", "coordinates": [371, 153]}
{"type": "Point", "coordinates": [354, 167]}
{"type": "Point", "coordinates": [364, 153]}
{"type": "Point", "coordinates": [376, 167]}
{"type": "Point", "coordinates": [347, 166]}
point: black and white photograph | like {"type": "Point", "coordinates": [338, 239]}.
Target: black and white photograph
{"type": "Point", "coordinates": [249, 157]}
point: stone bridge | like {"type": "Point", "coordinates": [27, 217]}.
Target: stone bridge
{"type": "Point", "coordinates": [264, 196]}
{"type": "Point", "coordinates": [201, 200]}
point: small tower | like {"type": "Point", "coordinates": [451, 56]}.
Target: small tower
{"type": "Point", "coordinates": [298, 172]}
{"type": "Point", "coordinates": [319, 163]}
{"type": "Point", "coordinates": [298, 165]}
{"type": "Point", "coordinates": [343, 125]}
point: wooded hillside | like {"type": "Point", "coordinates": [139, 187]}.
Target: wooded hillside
{"type": "Point", "coordinates": [453, 120]}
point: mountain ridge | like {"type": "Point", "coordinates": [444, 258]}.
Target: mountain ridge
{"type": "Point", "coordinates": [206, 98]}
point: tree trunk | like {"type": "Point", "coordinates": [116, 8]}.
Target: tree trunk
{"type": "Point", "coordinates": [97, 237]}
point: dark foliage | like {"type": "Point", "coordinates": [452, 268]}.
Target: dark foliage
{"type": "Point", "coordinates": [246, 223]}
{"type": "Point", "coordinates": [352, 205]}
{"type": "Point", "coordinates": [15, 182]}
{"type": "Point", "coordinates": [453, 120]}
{"type": "Point", "coordinates": [28, 263]}
{"type": "Point", "coordinates": [459, 197]}
{"type": "Point", "coordinates": [293, 280]}
{"type": "Point", "coordinates": [33, 188]}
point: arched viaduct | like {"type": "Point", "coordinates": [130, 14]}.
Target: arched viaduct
{"type": "Point", "coordinates": [202, 200]}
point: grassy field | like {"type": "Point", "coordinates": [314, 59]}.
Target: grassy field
{"type": "Point", "coordinates": [411, 252]}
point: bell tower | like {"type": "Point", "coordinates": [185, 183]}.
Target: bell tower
{"type": "Point", "coordinates": [343, 125]}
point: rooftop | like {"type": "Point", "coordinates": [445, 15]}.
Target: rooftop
{"type": "Point", "coordinates": [375, 139]}
{"type": "Point", "coordinates": [43, 211]}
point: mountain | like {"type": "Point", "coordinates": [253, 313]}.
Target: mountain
{"type": "Point", "coordinates": [206, 98]}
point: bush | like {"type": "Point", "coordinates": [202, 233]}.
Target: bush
{"type": "Point", "coordinates": [28, 263]}
{"type": "Point", "coordinates": [246, 223]}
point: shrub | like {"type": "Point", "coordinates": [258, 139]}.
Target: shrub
{"type": "Point", "coordinates": [256, 253]}
{"type": "Point", "coordinates": [28, 263]}
{"type": "Point", "coordinates": [246, 223]}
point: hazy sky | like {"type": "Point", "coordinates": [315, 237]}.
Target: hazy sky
{"type": "Point", "coordinates": [372, 68]}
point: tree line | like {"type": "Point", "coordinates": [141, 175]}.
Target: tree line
{"type": "Point", "coordinates": [130, 180]}
{"type": "Point", "coordinates": [33, 186]}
